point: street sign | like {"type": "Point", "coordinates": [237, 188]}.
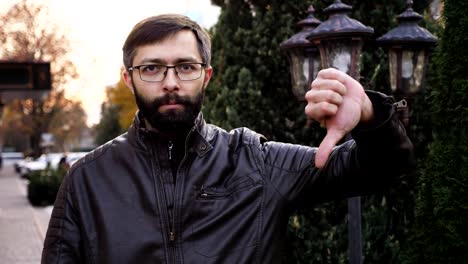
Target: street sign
{"type": "Point", "coordinates": [21, 80]}
{"type": "Point", "coordinates": [47, 140]}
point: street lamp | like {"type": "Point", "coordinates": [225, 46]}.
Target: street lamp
{"type": "Point", "coordinates": [303, 56]}
{"type": "Point", "coordinates": [409, 46]}
{"type": "Point", "coordinates": [340, 39]}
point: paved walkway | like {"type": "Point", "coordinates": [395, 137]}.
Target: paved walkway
{"type": "Point", "coordinates": [22, 227]}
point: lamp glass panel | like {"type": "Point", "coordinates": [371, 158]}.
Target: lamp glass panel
{"type": "Point", "coordinates": [338, 54]}
{"type": "Point", "coordinates": [299, 66]}
{"type": "Point", "coordinates": [316, 62]}
{"type": "Point", "coordinates": [412, 70]}
{"type": "Point", "coordinates": [393, 68]}
{"type": "Point", "coordinates": [418, 75]}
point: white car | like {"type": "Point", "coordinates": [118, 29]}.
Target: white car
{"type": "Point", "coordinates": [27, 166]}
{"type": "Point", "coordinates": [11, 157]}
{"type": "Point", "coordinates": [73, 157]}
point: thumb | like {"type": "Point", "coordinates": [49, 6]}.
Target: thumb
{"type": "Point", "coordinates": [326, 147]}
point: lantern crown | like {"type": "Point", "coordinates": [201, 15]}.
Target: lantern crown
{"type": "Point", "coordinates": [408, 32]}
{"type": "Point", "coordinates": [307, 25]}
{"type": "Point", "coordinates": [339, 24]}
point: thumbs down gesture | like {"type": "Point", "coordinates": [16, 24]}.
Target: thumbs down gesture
{"type": "Point", "coordinates": [339, 103]}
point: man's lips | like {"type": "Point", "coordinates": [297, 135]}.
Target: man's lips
{"type": "Point", "coordinates": [170, 106]}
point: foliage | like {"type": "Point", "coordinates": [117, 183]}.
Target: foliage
{"type": "Point", "coordinates": [108, 127]}
{"type": "Point", "coordinates": [440, 233]}
{"type": "Point", "coordinates": [44, 185]}
{"type": "Point", "coordinates": [119, 95]}
{"type": "Point", "coordinates": [250, 87]}
{"type": "Point", "coordinates": [118, 112]}
{"type": "Point", "coordinates": [67, 125]}
{"type": "Point", "coordinates": [247, 47]}
{"type": "Point", "coordinates": [28, 35]}
{"type": "Point", "coordinates": [11, 130]}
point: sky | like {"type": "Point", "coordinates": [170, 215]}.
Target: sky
{"type": "Point", "coordinates": [97, 30]}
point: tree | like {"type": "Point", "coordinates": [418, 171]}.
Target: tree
{"type": "Point", "coordinates": [28, 35]}
{"type": "Point", "coordinates": [67, 125]}
{"type": "Point", "coordinates": [250, 87]}
{"type": "Point", "coordinates": [108, 127]}
{"type": "Point", "coordinates": [10, 131]}
{"type": "Point", "coordinates": [120, 96]}
{"type": "Point", "coordinates": [440, 234]}
{"type": "Point", "coordinates": [117, 112]}
{"type": "Point", "coordinates": [251, 84]}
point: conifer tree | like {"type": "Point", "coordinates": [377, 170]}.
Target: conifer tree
{"type": "Point", "coordinates": [441, 231]}
{"type": "Point", "coordinates": [251, 82]}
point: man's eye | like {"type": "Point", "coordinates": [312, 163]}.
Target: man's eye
{"type": "Point", "coordinates": [185, 67]}
{"type": "Point", "coordinates": [150, 68]}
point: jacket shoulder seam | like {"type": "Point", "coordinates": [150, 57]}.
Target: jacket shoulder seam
{"type": "Point", "coordinates": [93, 155]}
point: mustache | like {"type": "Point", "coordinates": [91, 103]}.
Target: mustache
{"type": "Point", "coordinates": [172, 99]}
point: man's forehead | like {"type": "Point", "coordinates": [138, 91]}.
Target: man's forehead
{"type": "Point", "coordinates": [179, 47]}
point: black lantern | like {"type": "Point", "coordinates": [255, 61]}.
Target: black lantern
{"type": "Point", "coordinates": [409, 46]}
{"type": "Point", "coordinates": [303, 56]}
{"type": "Point", "coordinates": [340, 39]}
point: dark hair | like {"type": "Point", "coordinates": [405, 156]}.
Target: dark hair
{"type": "Point", "coordinates": [157, 28]}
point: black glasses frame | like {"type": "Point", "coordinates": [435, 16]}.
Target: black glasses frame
{"type": "Point", "coordinates": [167, 69]}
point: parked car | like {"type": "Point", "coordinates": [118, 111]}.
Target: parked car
{"type": "Point", "coordinates": [11, 157]}
{"type": "Point", "coordinates": [48, 160]}
{"type": "Point", "coordinates": [74, 157]}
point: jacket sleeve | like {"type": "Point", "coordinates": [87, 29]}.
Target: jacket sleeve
{"type": "Point", "coordinates": [62, 241]}
{"type": "Point", "coordinates": [376, 157]}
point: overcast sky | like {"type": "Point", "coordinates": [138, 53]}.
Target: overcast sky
{"type": "Point", "coordinates": [97, 30]}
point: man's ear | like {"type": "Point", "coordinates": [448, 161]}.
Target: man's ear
{"type": "Point", "coordinates": [127, 78]}
{"type": "Point", "coordinates": [208, 74]}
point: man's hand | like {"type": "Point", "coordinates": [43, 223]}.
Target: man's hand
{"type": "Point", "coordinates": [339, 103]}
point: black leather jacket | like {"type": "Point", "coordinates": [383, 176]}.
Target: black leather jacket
{"type": "Point", "coordinates": [231, 201]}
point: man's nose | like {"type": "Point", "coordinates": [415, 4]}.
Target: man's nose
{"type": "Point", "coordinates": [171, 81]}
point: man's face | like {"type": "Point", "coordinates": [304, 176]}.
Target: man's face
{"type": "Point", "coordinates": [171, 104]}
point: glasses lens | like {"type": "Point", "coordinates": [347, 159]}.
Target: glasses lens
{"type": "Point", "coordinates": [188, 71]}
{"type": "Point", "coordinates": [152, 73]}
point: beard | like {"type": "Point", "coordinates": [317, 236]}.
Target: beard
{"type": "Point", "coordinates": [171, 121]}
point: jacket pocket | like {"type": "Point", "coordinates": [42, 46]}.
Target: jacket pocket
{"type": "Point", "coordinates": [210, 193]}
{"type": "Point", "coordinates": [226, 218]}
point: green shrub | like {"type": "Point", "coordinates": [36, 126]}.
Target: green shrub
{"type": "Point", "coordinates": [44, 185]}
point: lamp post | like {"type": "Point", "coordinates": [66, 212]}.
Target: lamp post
{"type": "Point", "coordinates": [303, 56]}
{"type": "Point", "coordinates": [340, 40]}
{"type": "Point", "coordinates": [409, 46]}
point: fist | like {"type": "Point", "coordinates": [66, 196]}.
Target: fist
{"type": "Point", "coordinates": [339, 103]}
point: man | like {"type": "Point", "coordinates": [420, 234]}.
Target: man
{"type": "Point", "coordinates": [174, 189]}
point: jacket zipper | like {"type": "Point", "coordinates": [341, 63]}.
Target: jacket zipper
{"type": "Point", "coordinates": [172, 246]}
{"type": "Point", "coordinates": [171, 254]}
{"type": "Point", "coordinates": [172, 232]}
{"type": "Point", "coordinates": [170, 145]}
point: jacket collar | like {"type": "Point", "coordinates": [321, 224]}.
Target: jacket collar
{"type": "Point", "coordinates": [199, 139]}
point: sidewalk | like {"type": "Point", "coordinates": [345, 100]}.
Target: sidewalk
{"type": "Point", "coordinates": [22, 227]}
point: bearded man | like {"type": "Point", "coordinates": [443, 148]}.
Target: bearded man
{"type": "Point", "coordinates": [174, 189]}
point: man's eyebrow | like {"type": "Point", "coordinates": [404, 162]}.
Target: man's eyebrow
{"type": "Point", "coordinates": [177, 61]}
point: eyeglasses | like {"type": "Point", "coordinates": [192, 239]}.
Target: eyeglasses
{"type": "Point", "coordinates": [157, 72]}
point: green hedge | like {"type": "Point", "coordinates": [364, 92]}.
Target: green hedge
{"type": "Point", "coordinates": [44, 185]}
